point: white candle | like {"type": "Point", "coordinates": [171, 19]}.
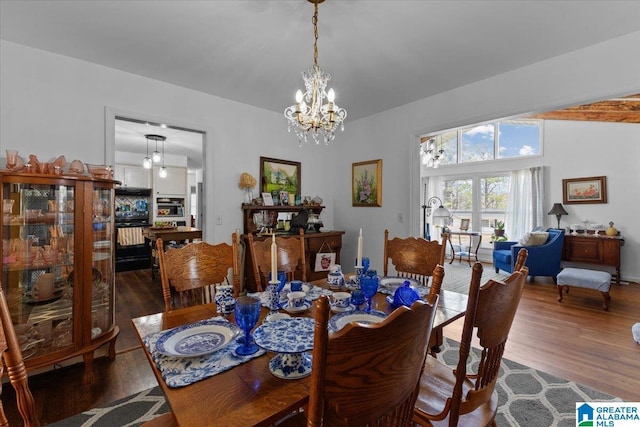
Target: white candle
{"type": "Point", "coordinates": [359, 257]}
{"type": "Point", "coordinates": [274, 259]}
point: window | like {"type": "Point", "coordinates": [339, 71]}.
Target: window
{"type": "Point", "coordinates": [489, 141]}
{"type": "Point", "coordinates": [482, 199]}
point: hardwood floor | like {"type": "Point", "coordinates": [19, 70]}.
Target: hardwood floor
{"type": "Point", "coordinates": [575, 340]}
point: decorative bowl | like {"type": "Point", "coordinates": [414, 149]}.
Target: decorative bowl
{"type": "Point", "coordinates": [76, 167]}
{"type": "Point", "coordinates": [100, 171]}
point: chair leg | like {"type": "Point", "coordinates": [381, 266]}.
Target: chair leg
{"type": "Point", "coordinates": [606, 298]}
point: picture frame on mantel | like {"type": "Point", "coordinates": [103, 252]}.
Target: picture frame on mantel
{"type": "Point", "coordinates": [279, 175]}
{"type": "Point", "coordinates": [366, 183]}
{"type": "Point", "coordinates": [584, 190]}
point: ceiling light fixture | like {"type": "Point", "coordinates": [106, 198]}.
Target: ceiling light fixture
{"type": "Point", "coordinates": [155, 156]}
{"type": "Point", "coordinates": [310, 113]}
{"type": "Point", "coordinates": [162, 173]}
{"type": "Point", "coordinates": [430, 153]}
{"type": "Point", "coordinates": [147, 163]}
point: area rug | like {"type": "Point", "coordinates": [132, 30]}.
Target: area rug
{"type": "Point", "coordinates": [130, 411]}
{"type": "Point", "coordinates": [528, 398]}
{"type": "Point", "coordinates": [457, 276]}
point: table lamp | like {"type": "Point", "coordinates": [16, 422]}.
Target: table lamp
{"type": "Point", "coordinates": [558, 211]}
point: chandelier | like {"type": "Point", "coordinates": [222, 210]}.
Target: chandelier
{"type": "Point", "coordinates": [315, 111]}
{"type": "Point", "coordinates": [431, 153]}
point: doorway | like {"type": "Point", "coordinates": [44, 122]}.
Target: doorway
{"type": "Point", "coordinates": [184, 147]}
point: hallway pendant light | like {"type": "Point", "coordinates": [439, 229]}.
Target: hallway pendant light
{"type": "Point", "coordinates": [315, 110]}
{"type": "Point", "coordinates": [162, 173]}
{"type": "Point", "coordinates": [155, 156]}
{"type": "Point", "coordinates": [147, 163]}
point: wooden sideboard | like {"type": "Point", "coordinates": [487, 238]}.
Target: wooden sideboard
{"type": "Point", "coordinates": [593, 249]}
{"type": "Point", "coordinates": [314, 242]}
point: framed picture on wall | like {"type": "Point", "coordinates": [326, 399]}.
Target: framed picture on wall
{"type": "Point", "coordinates": [584, 190]}
{"type": "Point", "coordinates": [279, 175]}
{"type": "Point", "coordinates": [366, 183]}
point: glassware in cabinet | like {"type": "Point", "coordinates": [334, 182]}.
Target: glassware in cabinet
{"type": "Point", "coordinates": [49, 274]}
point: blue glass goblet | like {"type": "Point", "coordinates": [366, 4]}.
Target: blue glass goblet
{"type": "Point", "coordinates": [369, 286]}
{"type": "Point", "coordinates": [247, 313]}
{"type": "Point", "coordinates": [357, 298]}
{"type": "Point", "coordinates": [365, 264]}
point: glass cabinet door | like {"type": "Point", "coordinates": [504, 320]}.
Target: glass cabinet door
{"type": "Point", "coordinates": [103, 262]}
{"type": "Point", "coordinates": [37, 264]}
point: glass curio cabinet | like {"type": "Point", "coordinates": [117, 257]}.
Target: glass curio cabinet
{"type": "Point", "coordinates": [58, 265]}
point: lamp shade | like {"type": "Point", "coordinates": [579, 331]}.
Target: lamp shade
{"type": "Point", "coordinates": [557, 209]}
{"type": "Point", "coordinates": [441, 215]}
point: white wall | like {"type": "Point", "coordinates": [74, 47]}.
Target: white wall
{"type": "Point", "coordinates": [603, 70]}
{"type": "Point", "coordinates": [52, 104]}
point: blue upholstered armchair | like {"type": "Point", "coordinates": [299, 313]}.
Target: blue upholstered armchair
{"type": "Point", "coordinates": [543, 260]}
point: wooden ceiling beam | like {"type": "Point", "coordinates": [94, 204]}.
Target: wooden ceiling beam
{"type": "Point", "coordinates": [622, 110]}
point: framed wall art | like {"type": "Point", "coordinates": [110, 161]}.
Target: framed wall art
{"type": "Point", "coordinates": [584, 190]}
{"type": "Point", "coordinates": [279, 175]}
{"type": "Point", "coordinates": [366, 183]}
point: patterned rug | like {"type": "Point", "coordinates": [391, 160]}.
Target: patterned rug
{"type": "Point", "coordinates": [528, 397]}
{"type": "Point", "coordinates": [457, 276]}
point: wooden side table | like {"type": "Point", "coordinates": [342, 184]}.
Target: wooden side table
{"type": "Point", "coordinates": [471, 235]}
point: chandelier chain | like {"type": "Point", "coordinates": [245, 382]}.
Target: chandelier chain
{"type": "Point", "coordinates": [314, 20]}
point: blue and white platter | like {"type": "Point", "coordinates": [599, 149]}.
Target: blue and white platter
{"type": "Point", "coordinates": [292, 335]}
{"type": "Point", "coordinates": [340, 320]}
{"type": "Point", "coordinates": [290, 338]}
{"type": "Point", "coordinates": [197, 339]}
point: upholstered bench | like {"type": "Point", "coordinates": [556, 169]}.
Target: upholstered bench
{"type": "Point", "coordinates": [582, 278]}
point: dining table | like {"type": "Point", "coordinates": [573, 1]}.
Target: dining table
{"type": "Point", "coordinates": [249, 394]}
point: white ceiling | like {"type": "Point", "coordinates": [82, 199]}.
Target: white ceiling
{"type": "Point", "coordinates": [382, 53]}
{"type": "Point", "coordinates": [130, 138]}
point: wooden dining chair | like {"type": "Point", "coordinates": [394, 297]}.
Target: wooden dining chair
{"type": "Point", "coordinates": [367, 374]}
{"type": "Point", "coordinates": [453, 397]}
{"type": "Point", "coordinates": [11, 357]}
{"type": "Point", "coordinates": [412, 257]}
{"type": "Point", "coordinates": [291, 258]}
{"type": "Point", "coordinates": [192, 271]}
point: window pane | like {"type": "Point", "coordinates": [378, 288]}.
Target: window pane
{"type": "Point", "coordinates": [449, 144]}
{"type": "Point", "coordinates": [518, 138]}
{"type": "Point", "coordinates": [494, 193]}
{"type": "Point", "coordinates": [477, 143]}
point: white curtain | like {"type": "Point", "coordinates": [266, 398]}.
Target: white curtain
{"type": "Point", "coordinates": [525, 204]}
